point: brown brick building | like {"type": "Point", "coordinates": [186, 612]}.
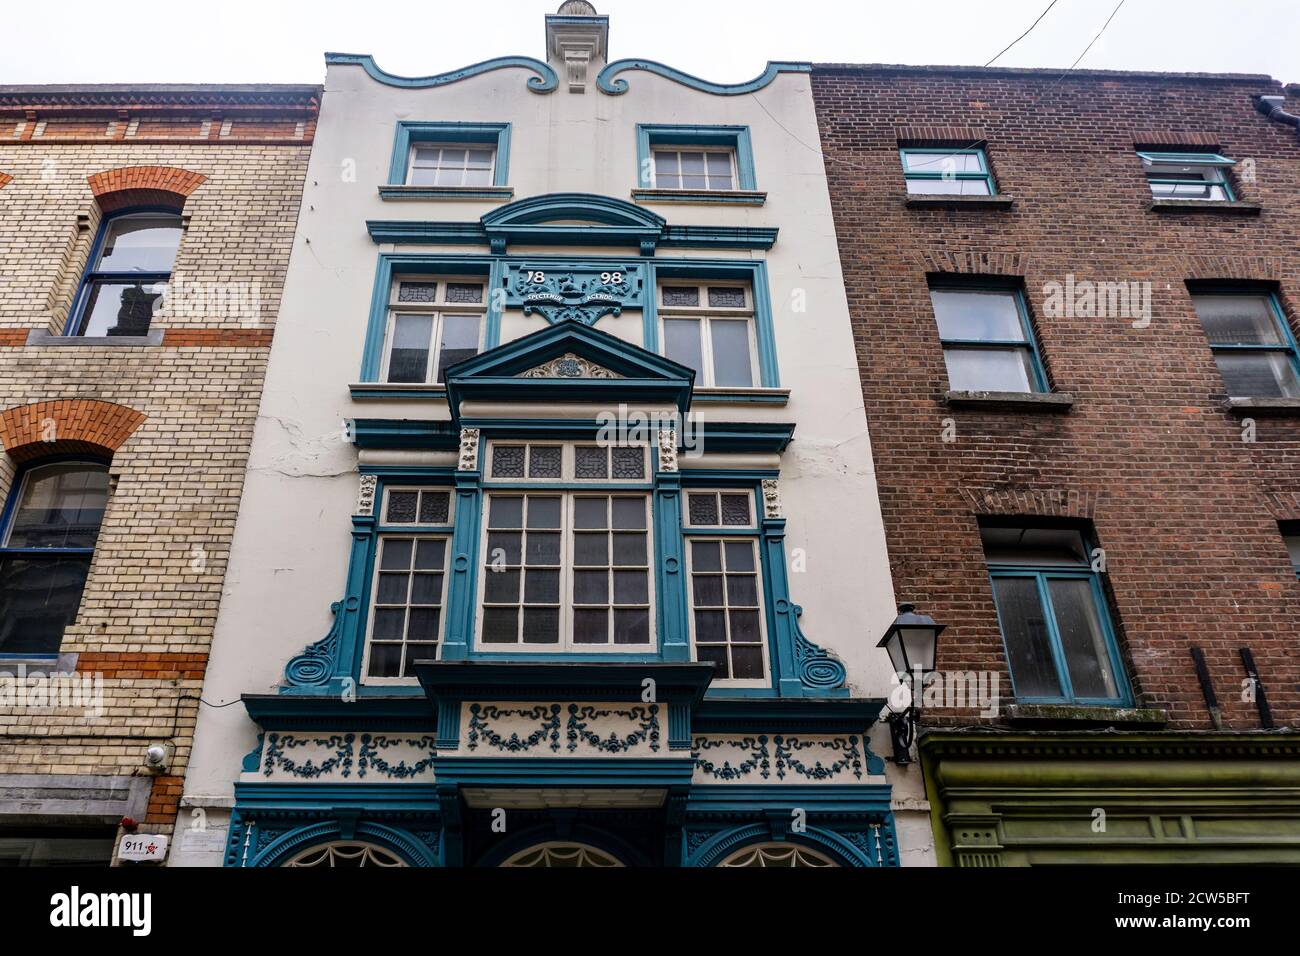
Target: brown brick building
{"type": "Point", "coordinates": [144, 234]}
{"type": "Point", "coordinates": [1075, 316]}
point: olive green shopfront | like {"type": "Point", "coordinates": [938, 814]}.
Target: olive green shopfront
{"type": "Point", "coordinates": [1010, 798]}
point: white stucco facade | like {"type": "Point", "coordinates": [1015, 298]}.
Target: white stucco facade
{"type": "Point", "coordinates": [293, 543]}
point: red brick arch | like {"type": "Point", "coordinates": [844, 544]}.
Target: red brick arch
{"type": "Point", "coordinates": [66, 426]}
{"type": "Point", "coordinates": [143, 186]}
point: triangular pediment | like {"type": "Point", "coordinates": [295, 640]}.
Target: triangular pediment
{"type": "Point", "coordinates": [570, 361]}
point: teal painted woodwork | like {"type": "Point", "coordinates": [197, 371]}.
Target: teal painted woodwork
{"type": "Point", "coordinates": [545, 81]}
{"type": "Point", "coordinates": [736, 138]}
{"type": "Point", "coordinates": [579, 292]}
{"type": "Point", "coordinates": [572, 219]}
{"type": "Point", "coordinates": [608, 81]}
{"type": "Point", "coordinates": [412, 132]}
{"type": "Point", "coordinates": [984, 175]}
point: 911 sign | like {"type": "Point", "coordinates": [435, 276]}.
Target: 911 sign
{"type": "Point", "coordinates": [143, 847]}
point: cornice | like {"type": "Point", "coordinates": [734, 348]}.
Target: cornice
{"type": "Point", "coordinates": [609, 82]}
{"type": "Point", "coordinates": [546, 80]}
{"type": "Point", "coordinates": [1108, 744]}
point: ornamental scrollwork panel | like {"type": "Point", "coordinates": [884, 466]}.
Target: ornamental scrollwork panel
{"type": "Point", "coordinates": [346, 757]}
{"type": "Point", "coordinates": [578, 729]}
{"type": "Point", "coordinates": [782, 759]}
{"type": "Point", "coordinates": [580, 294]}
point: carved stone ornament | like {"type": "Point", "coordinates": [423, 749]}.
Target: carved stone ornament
{"type": "Point", "coordinates": [772, 499]}
{"type": "Point", "coordinates": [668, 449]}
{"type": "Point", "coordinates": [569, 365]}
{"type": "Point", "coordinates": [366, 495]}
{"type": "Point", "coordinates": [468, 450]}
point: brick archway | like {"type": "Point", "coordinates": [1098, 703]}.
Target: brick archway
{"type": "Point", "coordinates": [143, 186]}
{"type": "Point", "coordinates": [66, 426]}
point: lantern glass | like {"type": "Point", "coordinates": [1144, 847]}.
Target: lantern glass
{"type": "Point", "coordinates": [918, 647]}
{"type": "Point", "coordinates": [897, 654]}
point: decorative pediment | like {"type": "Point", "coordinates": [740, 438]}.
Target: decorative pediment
{"type": "Point", "coordinates": [569, 365]}
{"type": "Point", "coordinates": [570, 362]}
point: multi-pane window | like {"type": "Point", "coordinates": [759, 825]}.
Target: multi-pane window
{"type": "Point", "coordinates": [1053, 616]}
{"type": "Point", "coordinates": [566, 462]}
{"type": "Point", "coordinates": [949, 172]}
{"type": "Point", "coordinates": [128, 276]}
{"type": "Point", "coordinates": [726, 609]}
{"type": "Point", "coordinates": [45, 553]}
{"type": "Point", "coordinates": [710, 327]}
{"type": "Point", "coordinates": [567, 571]}
{"type": "Point", "coordinates": [409, 588]}
{"type": "Point", "coordinates": [988, 345]}
{"type": "Point", "coordinates": [1252, 344]}
{"type": "Point", "coordinates": [451, 164]}
{"type": "Point", "coordinates": [1201, 176]}
{"type": "Point", "coordinates": [694, 168]}
{"type": "Point", "coordinates": [716, 509]}
{"type": "Point", "coordinates": [434, 322]}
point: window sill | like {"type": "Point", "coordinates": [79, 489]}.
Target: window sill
{"type": "Point", "coordinates": [1081, 714]}
{"type": "Point", "coordinates": [401, 192]}
{"type": "Point", "coordinates": [43, 338]}
{"type": "Point", "coordinates": [924, 201]}
{"type": "Point", "coordinates": [1234, 208]}
{"type": "Point", "coordinates": [725, 396]}
{"type": "Point", "coordinates": [392, 391]}
{"type": "Point", "coordinates": [1264, 406]}
{"type": "Point", "coordinates": [1020, 401]}
{"type": "Point", "coordinates": [740, 197]}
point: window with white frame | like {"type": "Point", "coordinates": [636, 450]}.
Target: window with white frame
{"type": "Point", "coordinates": [451, 164]}
{"type": "Point", "coordinates": [708, 168]}
{"type": "Point", "coordinates": [726, 607]}
{"type": "Point", "coordinates": [434, 322]}
{"type": "Point", "coordinates": [566, 569]}
{"type": "Point", "coordinates": [725, 587]}
{"type": "Point", "coordinates": [709, 327]}
{"type": "Point", "coordinates": [409, 587]}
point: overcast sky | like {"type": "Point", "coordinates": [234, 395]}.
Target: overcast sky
{"type": "Point", "coordinates": [243, 41]}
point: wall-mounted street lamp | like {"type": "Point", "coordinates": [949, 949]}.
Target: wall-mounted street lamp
{"type": "Point", "coordinates": [911, 642]}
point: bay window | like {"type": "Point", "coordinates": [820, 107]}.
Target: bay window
{"type": "Point", "coordinates": [409, 585]}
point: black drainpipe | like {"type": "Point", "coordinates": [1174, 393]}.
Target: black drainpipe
{"type": "Point", "coordinates": [1271, 106]}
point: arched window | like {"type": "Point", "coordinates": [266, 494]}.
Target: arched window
{"type": "Point", "coordinates": [779, 855]}
{"type": "Point", "coordinates": [345, 856]}
{"type": "Point", "coordinates": [47, 537]}
{"type": "Point", "coordinates": [562, 855]}
{"type": "Point", "coordinates": [127, 275]}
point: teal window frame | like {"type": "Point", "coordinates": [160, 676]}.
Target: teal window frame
{"type": "Point", "coordinates": [1209, 160]}
{"type": "Point", "coordinates": [1287, 346]}
{"type": "Point", "coordinates": [752, 271]}
{"type": "Point", "coordinates": [985, 174]}
{"type": "Point", "coordinates": [737, 138]}
{"type": "Point", "coordinates": [1041, 574]}
{"type": "Point", "coordinates": [412, 133]}
{"type": "Point", "coordinates": [1029, 344]}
